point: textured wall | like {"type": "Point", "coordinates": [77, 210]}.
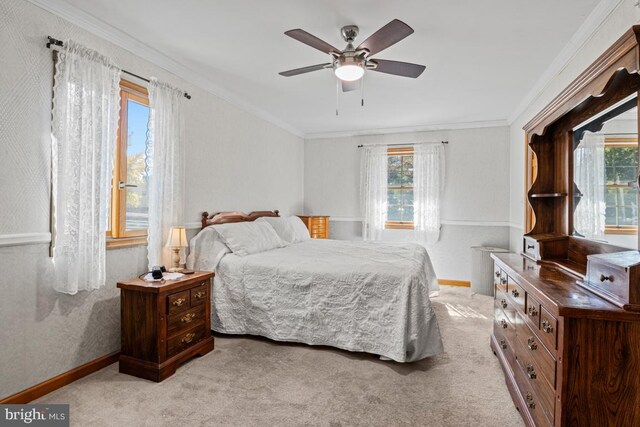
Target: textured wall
{"type": "Point", "coordinates": [235, 161]}
{"type": "Point", "coordinates": [620, 20]}
{"type": "Point", "coordinates": [475, 206]}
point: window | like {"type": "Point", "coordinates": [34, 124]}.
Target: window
{"type": "Point", "coordinates": [400, 188]}
{"type": "Point", "coordinates": [621, 172]}
{"type": "Point", "coordinates": [129, 199]}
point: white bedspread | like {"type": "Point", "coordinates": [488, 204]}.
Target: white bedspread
{"type": "Point", "coordinates": [358, 296]}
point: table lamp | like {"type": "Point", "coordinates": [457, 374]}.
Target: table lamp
{"type": "Point", "coordinates": [177, 240]}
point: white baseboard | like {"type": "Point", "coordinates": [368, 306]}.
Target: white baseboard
{"type": "Point", "coordinates": [24, 239]}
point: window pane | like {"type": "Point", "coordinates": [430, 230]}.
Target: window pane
{"type": "Point", "coordinates": [622, 206]}
{"type": "Point", "coordinates": [137, 213]}
{"type": "Point", "coordinates": [407, 212]}
{"type": "Point", "coordinates": [407, 171]}
{"type": "Point", "coordinates": [394, 171]}
{"type": "Point", "coordinates": [394, 205]}
{"type": "Point", "coordinates": [621, 163]}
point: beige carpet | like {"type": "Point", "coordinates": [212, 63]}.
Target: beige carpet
{"type": "Point", "coordinates": [252, 381]}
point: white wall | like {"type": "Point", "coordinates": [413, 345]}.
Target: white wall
{"type": "Point", "coordinates": [625, 15]}
{"type": "Point", "coordinates": [475, 206]}
{"type": "Point", "coordinates": [235, 161]}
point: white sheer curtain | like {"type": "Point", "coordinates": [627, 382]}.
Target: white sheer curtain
{"type": "Point", "coordinates": [86, 103]}
{"type": "Point", "coordinates": [428, 183]}
{"type": "Point", "coordinates": [166, 181]}
{"type": "Point", "coordinates": [589, 174]}
{"type": "Point", "coordinates": [373, 191]}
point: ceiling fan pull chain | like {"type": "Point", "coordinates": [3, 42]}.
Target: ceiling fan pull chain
{"type": "Point", "coordinates": [337, 95]}
{"type": "Point", "coordinates": [362, 91]}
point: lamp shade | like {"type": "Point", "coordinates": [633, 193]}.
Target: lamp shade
{"type": "Point", "coordinates": [177, 238]}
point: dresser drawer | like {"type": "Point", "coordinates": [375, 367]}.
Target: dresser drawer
{"type": "Point", "coordinates": [531, 248]}
{"type": "Point", "coordinates": [531, 352]}
{"type": "Point", "coordinates": [180, 321]}
{"type": "Point", "coordinates": [178, 302]}
{"type": "Point", "coordinates": [186, 339]}
{"type": "Point", "coordinates": [548, 329]}
{"type": "Point", "coordinates": [516, 293]}
{"type": "Point", "coordinates": [532, 311]}
{"type": "Point", "coordinates": [535, 404]}
{"type": "Point", "coordinates": [200, 294]}
{"type": "Point", "coordinates": [504, 327]}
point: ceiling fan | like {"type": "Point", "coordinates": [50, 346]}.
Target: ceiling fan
{"type": "Point", "coordinates": [349, 65]}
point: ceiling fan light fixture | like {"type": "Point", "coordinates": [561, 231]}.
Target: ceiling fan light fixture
{"type": "Point", "coordinates": [349, 72]}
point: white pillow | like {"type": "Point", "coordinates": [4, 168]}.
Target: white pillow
{"type": "Point", "coordinates": [244, 238]}
{"type": "Point", "coordinates": [291, 229]}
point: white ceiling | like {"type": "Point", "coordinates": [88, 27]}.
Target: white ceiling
{"type": "Point", "coordinates": [482, 57]}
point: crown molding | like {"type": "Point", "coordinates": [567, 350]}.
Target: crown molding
{"type": "Point", "coordinates": [584, 33]}
{"type": "Point", "coordinates": [408, 129]}
{"type": "Point", "coordinates": [103, 30]}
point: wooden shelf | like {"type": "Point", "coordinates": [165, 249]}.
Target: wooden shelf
{"type": "Point", "coordinates": [541, 195]}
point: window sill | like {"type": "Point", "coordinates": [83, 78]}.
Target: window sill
{"type": "Point", "coordinates": [126, 242]}
{"type": "Point", "coordinates": [621, 230]}
{"type": "Point", "coordinates": [389, 225]}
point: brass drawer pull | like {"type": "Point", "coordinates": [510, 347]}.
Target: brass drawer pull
{"type": "Point", "coordinates": [531, 373]}
{"type": "Point", "coordinates": [546, 326]}
{"type": "Point", "coordinates": [497, 274]}
{"type": "Point", "coordinates": [200, 294]}
{"type": "Point", "coordinates": [530, 246]}
{"type": "Point", "coordinates": [188, 338]}
{"type": "Point", "coordinates": [503, 323]}
{"type": "Point", "coordinates": [179, 302]}
{"type": "Point", "coordinates": [515, 293]}
{"type": "Point", "coordinates": [530, 403]}
{"type": "Point", "coordinates": [187, 318]}
{"type": "Point", "coordinates": [532, 311]}
{"type": "Point", "coordinates": [531, 343]}
{"type": "Point", "coordinates": [604, 278]}
{"type": "Point", "coordinates": [503, 344]}
{"type": "Point", "coordinates": [503, 281]}
{"type": "Point", "coordinates": [503, 303]}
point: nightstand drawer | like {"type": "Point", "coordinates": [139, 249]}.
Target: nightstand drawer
{"type": "Point", "coordinates": [181, 321]}
{"type": "Point", "coordinates": [178, 302]}
{"type": "Point", "coordinates": [200, 294]}
{"type": "Point", "coordinates": [185, 339]}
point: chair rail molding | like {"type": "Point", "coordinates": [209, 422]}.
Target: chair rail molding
{"type": "Point", "coordinates": [22, 239]}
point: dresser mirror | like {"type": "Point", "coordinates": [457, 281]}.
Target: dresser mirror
{"type": "Point", "coordinates": [605, 176]}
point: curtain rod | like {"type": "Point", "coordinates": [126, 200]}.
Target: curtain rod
{"type": "Point", "coordinates": [412, 143]}
{"type": "Point", "coordinates": [56, 42]}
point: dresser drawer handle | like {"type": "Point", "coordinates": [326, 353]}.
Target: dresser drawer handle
{"type": "Point", "coordinates": [530, 246]}
{"type": "Point", "coordinates": [504, 324]}
{"type": "Point", "coordinates": [497, 274]}
{"type": "Point", "coordinates": [503, 303]}
{"type": "Point", "coordinates": [503, 281]}
{"type": "Point", "coordinates": [188, 338]}
{"type": "Point", "coordinates": [503, 344]}
{"type": "Point", "coordinates": [179, 302]}
{"type": "Point", "coordinates": [188, 318]}
{"type": "Point", "coordinates": [200, 294]}
{"type": "Point", "coordinates": [530, 403]}
{"type": "Point", "coordinates": [515, 293]}
{"type": "Point", "coordinates": [532, 311]}
{"type": "Point", "coordinates": [546, 326]}
{"type": "Point", "coordinates": [604, 278]}
{"type": "Point", "coordinates": [531, 343]}
{"type": "Point", "coordinates": [531, 373]}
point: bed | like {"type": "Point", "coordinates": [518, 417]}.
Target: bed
{"type": "Point", "coordinates": [359, 296]}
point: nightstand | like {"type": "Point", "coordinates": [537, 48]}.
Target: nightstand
{"type": "Point", "coordinates": [164, 324]}
{"type": "Point", "coordinates": [318, 226]}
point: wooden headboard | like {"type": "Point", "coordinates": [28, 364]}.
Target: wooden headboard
{"type": "Point", "coordinates": [227, 217]}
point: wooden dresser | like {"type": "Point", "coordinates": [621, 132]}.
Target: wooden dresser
{"type": "Point", "coordinates": [164, 324]}
{"type": "Point", "coordinates": [570, 358]}
{"type": "Point", "coordinates": [318, 226]}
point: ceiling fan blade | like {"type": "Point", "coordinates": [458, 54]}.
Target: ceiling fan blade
{"type": "Point", "coordinates": [311, 40]}
{"type": "Point", "coordinates": [303, 70]}
{"type": "Point", "coordinates": [386, 36]}
{"type": "Point", "coordinates": [349, 86]}
{"type": "Point", "coordinates": [397, 68]}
